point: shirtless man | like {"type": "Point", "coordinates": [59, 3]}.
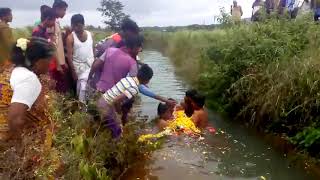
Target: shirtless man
{"type": "Point", "coordinates": [200, 114]}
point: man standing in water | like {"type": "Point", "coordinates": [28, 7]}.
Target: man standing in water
{"type": "Point", "coordinates": [6, 38]}
{"type": "Point", "coordinates": [80, 54]}
{"type": "Point", "coordinates": [236, 12]}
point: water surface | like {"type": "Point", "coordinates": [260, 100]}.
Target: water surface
{"type": "Point", "coordinates": [232, 154]}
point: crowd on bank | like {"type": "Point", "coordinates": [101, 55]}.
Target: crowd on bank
{"type": "Point", "coordinates": [266, 7]}
{"type": "Point", "coordinates": [108, 73]}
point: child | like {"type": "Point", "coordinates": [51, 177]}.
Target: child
{"type": "Point", "coordinates": [165, 113]}
{"type": "Point", "coordinates": [200, 115]}
{"type": "Point", "coordinates": [126, 89]}
{"type": "Point", "coordinates": [80, 54]}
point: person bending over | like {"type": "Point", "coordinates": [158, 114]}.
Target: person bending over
{"type": "Point", "coordinates": [112, 100]}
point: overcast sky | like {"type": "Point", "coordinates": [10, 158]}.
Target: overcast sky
{"type": "Point", "coordinates": [145, 12]}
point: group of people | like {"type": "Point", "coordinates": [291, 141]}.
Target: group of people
{"type": "Point", "coordinates": [292, 7]}
{"type": "Point", "coordinates": [110, 73]}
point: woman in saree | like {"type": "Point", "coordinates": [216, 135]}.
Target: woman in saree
{"type": "Point", "coordinates": [22, 93]}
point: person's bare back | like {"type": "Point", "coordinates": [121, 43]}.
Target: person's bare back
{"type": "Point", "coordinates": [200, 118]}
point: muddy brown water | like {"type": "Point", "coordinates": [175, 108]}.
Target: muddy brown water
{"type": "Point", "coordinates": [234, 153]}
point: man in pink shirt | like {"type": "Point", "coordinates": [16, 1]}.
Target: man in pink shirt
{"type": "Point", "coordinates": [119, 62]}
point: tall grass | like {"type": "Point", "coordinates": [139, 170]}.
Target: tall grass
{"type": "Point", "coordinates": [264, 74]}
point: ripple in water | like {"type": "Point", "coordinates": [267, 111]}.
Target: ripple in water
{"type": "Point", "coordinates": [231, 154]}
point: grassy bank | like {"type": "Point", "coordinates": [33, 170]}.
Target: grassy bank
{"type": "Point", "coordinates": [265, 75]}
{"type": "Point", "coordinates": [71, 144]}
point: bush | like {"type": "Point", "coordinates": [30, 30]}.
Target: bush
{"type": "Point", "coordinates": [87, 148]}
{"type": "Point", "coordinates": [264, 74]}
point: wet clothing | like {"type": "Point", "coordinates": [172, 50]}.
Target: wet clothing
{"type": "Point", "coordinates": [6, 41]}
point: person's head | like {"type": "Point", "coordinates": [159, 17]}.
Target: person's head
{"type": "Point", "coordinates": [198, 101]}
{"type": "Point", "coordinates": [44, 8]}
{"type": "Point", "coordinates": [77, 23]}
{"type": "Point", "coordinates": [34, 54]}
{"type": "Point", "coordinates": [189, 95]}
{"type": "Point", "coordinates": [145, 74]}
{"type": "Point", "coordinates": [134, 45]}
{"type": "Point", "coordinates": [129, 28]}
{"type": "Point", "coordinates": [60, 8]}
{"type": "Point", "coordinates": [6, 15]}
{"type": "Point", "coordinates": [235, 3]}
{"type": "Point", "coordinates": [48, 18]}
{"type": "Point", "coordinates": [164, 111]}
{"type": "Point", "coordinates": [189, 110]}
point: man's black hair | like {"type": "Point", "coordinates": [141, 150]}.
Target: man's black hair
{"type": "Point", "coordinates": [129, 25]}
{"type": "Point", "coordinates": [199, 100]}
{"type": "Point", "coordinates": [59, 4]}
{"type": "Point", "coordinates": [48, 14]}
{"type": "Point", "coordinates": [191, 93]}
{"type": "Point", "coordinates": [77, 19]}
{"type": "Point", "coordinates": [44, 8]}
{"type": "Point", "coordinates": [162, 108]}
{"type": "Point", "coordinates": [134, 41]}
{"type": "Point", "coordinates": [145, 73]}
{"type": "Point", "coordinates": [4, 12]}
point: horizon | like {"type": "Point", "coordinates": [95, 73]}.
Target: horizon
{"type": "Point", "coordinates": [161, 13]}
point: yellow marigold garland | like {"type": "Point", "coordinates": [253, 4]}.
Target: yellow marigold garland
{"type": "Point", "coordinates": [181, 123]}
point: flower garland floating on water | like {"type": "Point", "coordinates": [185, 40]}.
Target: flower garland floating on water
{"type": "Point", "coordinates": [181, 123]}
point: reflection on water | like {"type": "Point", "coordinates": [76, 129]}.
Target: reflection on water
{"type": "Point", "coordinates": [231, 154]}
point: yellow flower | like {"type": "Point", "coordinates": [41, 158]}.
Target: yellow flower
{"type": "Point", "coordinates": [22, 43]}
{"type": "Point", "coordinates": [181, 122]}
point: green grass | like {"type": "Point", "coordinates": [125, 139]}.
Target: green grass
{"type": "Point", "coordinates": [263, 74]}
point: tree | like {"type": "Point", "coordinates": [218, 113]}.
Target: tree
{"type": "Point", "coordinates": [112, 10]}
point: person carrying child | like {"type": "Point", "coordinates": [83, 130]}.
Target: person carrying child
{"type": "Point", "coordinates": [111, 101]}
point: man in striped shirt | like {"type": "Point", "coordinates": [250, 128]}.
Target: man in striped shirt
{"type": "Point", "coordinates": [112, 100]}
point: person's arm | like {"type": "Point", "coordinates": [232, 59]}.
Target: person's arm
{"type": "Point", "coordinates": [70, 56]}
{"type": "Point", "coordinates": [97, 64]}
{"type": "Point", "coordinates": [147, 92]}
{"type": "Point", "coordinates": [241, 11]}
{"type": "Point", "coordinates": [16, 118]}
